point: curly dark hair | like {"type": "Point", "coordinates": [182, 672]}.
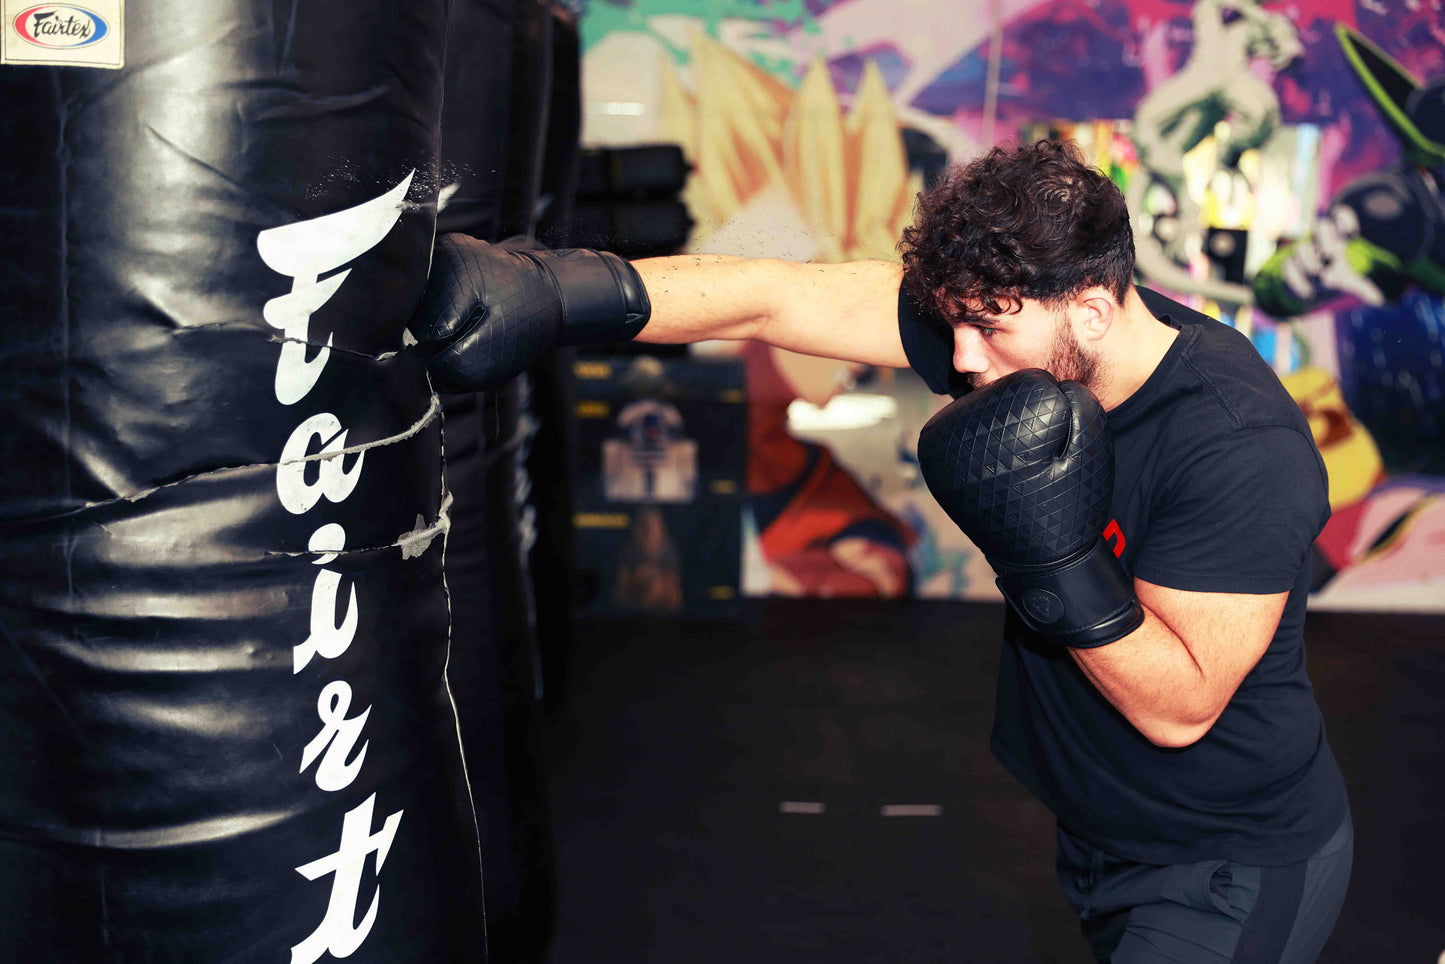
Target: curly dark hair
{"type": "Point", "coordinates": [1032, 222]}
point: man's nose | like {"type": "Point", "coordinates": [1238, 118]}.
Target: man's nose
{"type": "Point", "coordinates": [968, 354]}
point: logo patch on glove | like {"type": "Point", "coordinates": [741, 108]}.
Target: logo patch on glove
{"type": "Point", "coordinates": [1043, 605]}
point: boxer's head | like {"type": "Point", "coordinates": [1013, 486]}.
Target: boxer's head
{"type": "Point", "coordinates": [1015, 250]}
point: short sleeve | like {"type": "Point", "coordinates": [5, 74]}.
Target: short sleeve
{"type": "Point", "coordinates": [929, 346]}
{"type": "Point", "coordinates": [1238, 515]}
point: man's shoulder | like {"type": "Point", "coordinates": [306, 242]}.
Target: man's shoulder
{"type": "Point", "coordinates": [1229, 378]}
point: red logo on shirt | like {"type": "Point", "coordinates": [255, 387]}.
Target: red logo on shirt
{"type": "Point", "coordinates": [1112, 533]}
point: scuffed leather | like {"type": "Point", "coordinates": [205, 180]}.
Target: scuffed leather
{"type": "Point", "coordinates": [157, 799]}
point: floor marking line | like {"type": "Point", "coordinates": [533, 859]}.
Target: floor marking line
{"type": "Point", "coordinates": [800, 806]}
{"type": "Point", "coordinates": [911, 810]}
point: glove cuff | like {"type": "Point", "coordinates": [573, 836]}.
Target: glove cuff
{"type": "Point", "coordinates": [1085, 601]}
{"type": "Point", "coordinates": [603, 297]}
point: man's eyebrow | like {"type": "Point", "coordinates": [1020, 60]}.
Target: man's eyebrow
{"type": "Point", "coordinates": [979, 321]}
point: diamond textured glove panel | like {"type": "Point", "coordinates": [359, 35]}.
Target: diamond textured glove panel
{"type": "Point", "coordinates": [1024, 466]}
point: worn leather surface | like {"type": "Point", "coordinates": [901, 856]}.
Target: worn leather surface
{"type": "Point", "coordinates": [224, 726]}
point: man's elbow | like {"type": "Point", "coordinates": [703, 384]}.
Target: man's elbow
{"type": "Point", "coordinates": [1176, 732]}
{"type": "Point", "coordinates": [1173, 736]}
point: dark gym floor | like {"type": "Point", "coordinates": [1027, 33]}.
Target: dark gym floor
{"type": "Point", "coordinates": [812, 783]}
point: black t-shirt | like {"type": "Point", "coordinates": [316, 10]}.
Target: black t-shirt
{"type": "Point", "coordinates": [1218, 488]}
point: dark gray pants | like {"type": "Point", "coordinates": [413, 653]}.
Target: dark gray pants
{"type": "Point", "coordinates": [1210, 912]}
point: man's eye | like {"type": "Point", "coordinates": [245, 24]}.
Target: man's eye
{"type": "Point", "coordinates": [987, 332]}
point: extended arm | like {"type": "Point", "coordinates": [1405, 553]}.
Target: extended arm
{"type": "Point", "coordinates": [1174, 675]}
{"type": "Point", "coordinates": [489, 310]}
{"type": "Point", "coordinates": [847, 311]}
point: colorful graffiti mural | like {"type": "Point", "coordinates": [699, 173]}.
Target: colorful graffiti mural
{"type": "Point", "coordinates": [1277, 158]}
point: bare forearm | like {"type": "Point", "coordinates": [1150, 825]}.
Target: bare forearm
{"type": "Point", "coordinates": [1151, 677]}
{"type": "Point", "coordinates": [847, 311]}
{"type": "Point", "coordinates": [697, 297]}
{"type": "Point", "coordinates": [1176, 673]}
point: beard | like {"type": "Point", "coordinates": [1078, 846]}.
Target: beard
{"type": "Point", "coordinates": [1068, 362]}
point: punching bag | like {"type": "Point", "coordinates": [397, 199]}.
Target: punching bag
{"type": "Point", "coordinates": [225, 731]}
{"type": "Point", "coordinates": [554, 556]}
{"type": "Point", "coordinates": [531, 94]}
{"type": "Point", "coordinates": [475, 129]}
{"type": "Point", "coordinates": [489, 158]}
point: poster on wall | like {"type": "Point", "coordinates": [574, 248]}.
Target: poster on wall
{"type": "Point", "coordinates": [658, 468]}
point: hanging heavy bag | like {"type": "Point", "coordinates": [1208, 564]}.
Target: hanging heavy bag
{"type": "Point", "coordinates": [224, 725]}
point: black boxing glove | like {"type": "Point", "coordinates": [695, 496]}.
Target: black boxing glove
{"type": "Point", "coordinates": [490, 310]}
{"type": "Point", "coordinates": [1025, 467]}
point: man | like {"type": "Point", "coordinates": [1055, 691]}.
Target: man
{"type": "Point", "coordinates": [1152, 689]}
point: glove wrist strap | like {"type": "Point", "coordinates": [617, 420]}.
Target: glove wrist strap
{"type": "Point", "coordinates": [1084, 601]}
{"type": "Point", "coordinates": [603, 298]}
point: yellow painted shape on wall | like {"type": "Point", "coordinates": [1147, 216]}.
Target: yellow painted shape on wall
{"type": "Point", "coordinates": [815, 161]}
{"type": "Point", "coordinates": [740, 111]}
{"type": "Point", "coordinates": [1351, 457]}
{"type": "Point", "coordinates": [745, 133]}
{"type": "Point", "coordinates": [881, 190]}
{"type": "Point", "coordinates": [677, 111]}
{"type": "Point", "coordinates": [677, 124]}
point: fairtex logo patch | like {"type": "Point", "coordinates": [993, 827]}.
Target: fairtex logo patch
{"type": "Point", "coordinates": [60, 26]}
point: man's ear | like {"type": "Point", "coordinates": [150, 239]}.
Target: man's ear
{"type": "Point", "coordinates": [1095, 312]}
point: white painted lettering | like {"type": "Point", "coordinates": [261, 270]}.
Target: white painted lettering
{"type": "Point", "coordinates": [338, 738]}
{"type": "Point", "coordinates": [337, 933]}
{"type": "Point", "coordinates": [303, 252]}
{"type": "Point", "coordinates": [328, 540]}
{"type": "Point", "coordinates": [333, 480]}
{"type": "Point", "coordinates": [297, 374]}
{"type": "Point", "coordinates": [327, 639]}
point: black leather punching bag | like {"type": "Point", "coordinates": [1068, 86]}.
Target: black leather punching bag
{"type": "Point", "coordinates": [494, 668]}
{"type": "Point", "coordinates": [531, 94]}
{"type": "Point", "coordinates": [475, 127]}
{"type": "Point", "coordinates": [554, 398]}
{"type": "Point", "coordinates": [225, 731]}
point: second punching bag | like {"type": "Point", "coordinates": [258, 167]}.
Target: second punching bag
{"type": "Point", "coordinates": [493, 669]}
{"type": "Point", "coordinates": [225, 732]}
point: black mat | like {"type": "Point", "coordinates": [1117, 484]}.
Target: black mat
{"type": "Point", "coordinates": [813, 784]}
